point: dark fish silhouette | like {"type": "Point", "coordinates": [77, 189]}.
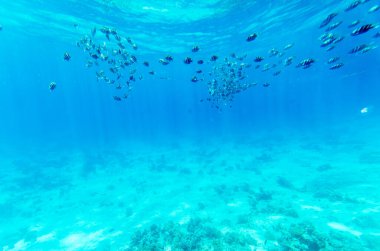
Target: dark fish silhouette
{"type": "Point", "coordinates": [258, 59]}
{"type": "Point", "coordinates": [328, 19]}
{"type": "Point", "coordinates": [195, 48]}
{"type": "Point", "coordinates": [66, 56]}
{"type": "Point", "coordinates": [52, 86]}
{"type": "Point", "coordinates": [363, 29]}
{"type": "Point", "coordinates": [353, 5]}
{"type": "Point", "coordinates": [358, 48]}
{"type": "Point", "coordinates": [187, 60]}
{"type": "Point", "coordinates": [214, 58]}
{"type": "Point", "coordinates": [251, 37]}
{"type": "Point", "coordinates": [266, 85]}
{"type": "Point", "coordinates": [169, 58]}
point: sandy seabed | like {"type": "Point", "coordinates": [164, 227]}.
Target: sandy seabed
{"type": "Point", "coordinates": [273, 193]}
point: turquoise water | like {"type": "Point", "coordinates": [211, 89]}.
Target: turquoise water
{"type": "Point", "coordinates": [128, 153]}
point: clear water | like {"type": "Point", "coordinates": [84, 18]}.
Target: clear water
{"type": "Point", "coordinates": [292, 166]}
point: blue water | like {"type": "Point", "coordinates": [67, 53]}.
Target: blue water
{"type": "Point", "coordinates": [291, 166]}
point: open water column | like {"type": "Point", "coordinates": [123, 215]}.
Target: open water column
{"type": "Point", "coordinates": [176, 125]}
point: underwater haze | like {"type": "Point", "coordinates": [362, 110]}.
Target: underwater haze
{"type": "Point", "coordinates": [189, 125]}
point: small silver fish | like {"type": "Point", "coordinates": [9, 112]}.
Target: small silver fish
{"type": "Point", "coordinates": [334, 26]}
{"type": "Point", "coordinates": [374, 8]}
{"type": "Point", "coordinates": [332, 60]}
{"type": "Point", "coordinates": [354, 23]}
{"type": "Point", "coordinates": [288, 46]}
{"type": "Point", "coordinates": [336, 66]}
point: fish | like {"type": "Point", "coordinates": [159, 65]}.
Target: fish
{"type": "Point", "coordinates": [169, 58]}
{"type": "Point", "coordinates": [266, 67]}
{"type": "Point", "coordinates": [66, 56]}
{"type": "Point", "coordinates": [194, 79]}
{"type": "Point", "coordinates": [89, 64]}
{"type": "Point", "coordinates": [187, 60]}
{"type": "Point", "coordinates": [273, 52]}
{"type": "Point", "coordinates": [327, 42]}
{"type": "Point", "coordinates": [368, 48]}
{"type": "Point", "coordinates": [333, 60]}
{"type": "Point", "coordinates": [146, 63]}
{"type": "Point", "coordinates": [214, 58]}
{"type": "Point", "coordinates": [52, 86]}
{"type": "Point", "coordinates": [116, 98]}
{"type": "Point", "coordinates": [288, 46]}
{"type": "Point", "coordinates": [251, 37]}
{"type": "Point", "coordinates": [103, 57]}
{"type": "Point", "coordinates": [133, 59]}
{"type": "Point", "coordinates": [357, 49]}
{"type": "Point", "coordinates": [288, 61]}
{"type": "Point", "coordinates": [117, 37]}
{"type": "Point", "coordinates": [336, 66]}
{"type": "Point", "coordinates": [363, 29]}
{"type": "Point", "coordinates": [327, 39]}
{"type": "Point", "coordinates": [338, 39]}
{"type": "Point", "coordinates": [195, 48]}
{"type": "Point", "coordinates": [334, 26]}
{"type": "Point", "coordinates": [374, 8]}
{"type": "Point", "coordinates": [266, 85]}
{"type": "Point", "coordinates": [353, 23]}
{"type": "Point", "coordinates": [113, 32]}
{"type": "Point", "coordinates": [364, 110]}
{"type": "Point", "coordinates": [258, 59]}
{"type": "Point", "coordinates": [306, 63]}
{"type": "Point", "coordinates": [105, 30]}
{"type": "Point", "coordinates": [377, 35]}
{"type": "Point", "coordinates": [200, 61]}
{"type": "Point", "coordinates": [113, 69]}
{"type": "Point", "coordinates": [328, 19]}
{"type": "Point", "coordinates": [163, 61]}
{"type": "Point", "coordinates": [276, 73]}
{"type": "Point", "coordinates": [353, 5]}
